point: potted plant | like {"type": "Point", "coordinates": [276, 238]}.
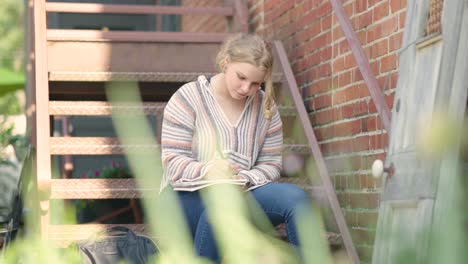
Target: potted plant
{"type": "Point", "coordinates": [106, 210]}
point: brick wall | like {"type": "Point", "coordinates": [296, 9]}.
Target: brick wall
{"type": "Point", "coordinates": [205, 23]}
{"type": "Point", "coordinates": [341, 111]}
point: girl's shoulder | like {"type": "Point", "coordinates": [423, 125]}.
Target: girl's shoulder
{"type": "Point", "coordinates": [194, 86]}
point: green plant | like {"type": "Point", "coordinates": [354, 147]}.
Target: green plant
{"type": "Point", "coordinates": [7, 138]}
{"type": "Point", "coordinates": [114, 171]}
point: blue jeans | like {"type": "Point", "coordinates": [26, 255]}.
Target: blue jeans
{"type": "Point", "coordinates": [278, 201]}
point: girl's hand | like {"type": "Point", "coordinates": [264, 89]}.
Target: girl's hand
{"type": "Point", "coordinates": [235, 167]}
{"type": "Point", "coordinates": [219, 170]}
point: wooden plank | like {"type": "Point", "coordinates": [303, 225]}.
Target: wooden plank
{"type": "Point", "coordinates": [99, 146]}
{"type": "Point", "coordinates": [135, 76]}
{"type": "Point", "coordinates": [99, 189]}
{"type": "Point", "coordinates": [95, 8]}
{"type": "Point", "coordinates": [102, 108]}
{"type": "Point", "coordinates": [134, 36]}
{"type": "Point", "coordinates": [317, 154]}
{"type": "Point", "coordinates": [112, 146]}
{"type": "Point", "coordinates": [63, 235]}
{"type": "Point", "coordinates": [42, 122]}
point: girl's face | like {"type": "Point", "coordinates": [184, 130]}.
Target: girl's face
{"type": "Point", "coordinates": [243, 79]}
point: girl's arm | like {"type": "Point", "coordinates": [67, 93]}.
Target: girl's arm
{"type": "Point", "coordinates": [269, 162]}
{"type": "Point", "coordinates": [176, 140]}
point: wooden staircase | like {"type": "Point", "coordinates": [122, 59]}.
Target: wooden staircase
{"type": "Point", "coordinates": [68, 74]}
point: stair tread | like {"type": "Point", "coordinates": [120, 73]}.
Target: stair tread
{"type": "Point", "coordinates": [103, 108]}
{"type": "Point", "coordinates": [99, 146]}
{"type": "Point", "coordinates": [100, 76]}
{"type": "Point", "coordinates": [112, 146]}
{"type": "Point", "coordinates": [64, 235]}
{"type": "Point", "coordinates": [128, 188]}
{"type": "Point", "coordinates": [82, 35]}
{"type": "Point", "coordinates": [98, 189]}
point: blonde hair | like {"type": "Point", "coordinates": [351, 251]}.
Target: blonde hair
{"type": "Point", "coordinates": [252, 49]}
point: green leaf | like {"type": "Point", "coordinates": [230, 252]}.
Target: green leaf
{"type": "Point", "coordinates": [10, 81]}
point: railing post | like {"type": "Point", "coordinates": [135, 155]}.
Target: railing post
{"type": "Point", "coordinates": [42, 120]}
{"type": "Point", "coordinates": [316, 152]}
{"type": "Point", "coordinates": [241, 15]}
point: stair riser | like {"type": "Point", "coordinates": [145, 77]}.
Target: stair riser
{"type": "Point", "coordinates": [130, 57]}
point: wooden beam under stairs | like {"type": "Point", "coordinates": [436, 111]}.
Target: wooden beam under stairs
{"type": "Point", "coordinates": [62, 236]}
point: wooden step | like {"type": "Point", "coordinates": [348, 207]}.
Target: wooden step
{"type": "Point", "coordinates": [100, 108]}
{"type": "Point", "coordinates": [112, 146]}
{"type": "Point", "coordinates": [103, 108]}
{"type": "Point", "coordinates": [88, 35]}
{"type": "Point", "coordinates": [99, 189]}
{"type": "Point", "coordinates": [63, 235]}
{"type": "Point", "coordinates": [99, 146]}
{"type": "Point", "coordinates": [100, 76]}
{"type": "Point", "coordinates": [127, 188]}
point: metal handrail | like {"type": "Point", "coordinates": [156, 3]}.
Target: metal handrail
{"type": "Point", "coordinates": [316, 152]}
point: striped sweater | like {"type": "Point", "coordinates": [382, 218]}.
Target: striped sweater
{"type": "Point", "coordinates": [195, 132]}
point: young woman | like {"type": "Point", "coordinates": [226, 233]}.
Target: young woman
{"type": "Point", "coordinates": [225, 128]}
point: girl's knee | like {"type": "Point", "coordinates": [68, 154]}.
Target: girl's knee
{"type": "Point", "coordinates": [295, 194]}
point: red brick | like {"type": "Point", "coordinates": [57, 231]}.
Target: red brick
{"type": "Point", "coordinates": [343, 199]}
{"type": "Point", "coordinates": [397, 5]}
{"type": "Point", "coordinates": [376, 142]}
{"type": "Point", "coordinates": [363, 20]}
{"type": "Point", "coordinates": [351, 217]}
{"type": "Point", "coordinates": [390, 26]}
{"type": "Point", "coordinates": [357, 76]}
{"type": "Point", "coordinates": [322, 117]}
{"type": "Point", "coordinates": [350, 61]}
{"type": "Point", "coordinates": [308, 19]}
{"type": "Point", "coordinates": [337, 33]}
{"type": "Point", "coordinates": [310, 32]}
{"type": "Point", "coordinates": [324, 70]}
{"type": "Point", "coordinates": [345, 95]}
{"type": "Point", "coordinates": [364, 200]}
{"type": "Point", "coordinates": [379, 48]}
{"type": "Point", "coordinates": [325, 23]}
{"type": "Point", "coordinates": [389, 100]}
{"type": "Point", "coordinates": [402, 20]}
{"type": "Point", "coordinates": [395, 41]}
{"type": "Point", "coordinates": [388, 63]}
{"type": "Point", "coordinates": [322, 101]}
{"type": "Point", "coordinates": [326, 53]}
{"type": "Point", "coordinates": [340, 184]}
{"type": "Point", "coordinates": [381, 10]}
{"type": "Point", "coordinates": [362, 236]}
{"type": "Point", "coordinates": [360, 143]}
{"type": "Point", "coordinates": [375, 67]}
{"type": "Point", "coordinates": [347, 128]}
{"type": "Point", "coordinates": [339, 64]}
{"type": "Point", "coordinates": [345, 78]}
{"type": "Point", "coordinates": [354, 182]}
{"type": "Point", "coordinates": [360, 6]}
{"type": "Point", "coordinates": [367, 219]}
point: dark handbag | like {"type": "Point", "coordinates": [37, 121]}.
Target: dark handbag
{"type": "Point", "coordinates": [116, 244]}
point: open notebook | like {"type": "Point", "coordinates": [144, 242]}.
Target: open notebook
{"type": "Point", "coordinates": [205, 183]}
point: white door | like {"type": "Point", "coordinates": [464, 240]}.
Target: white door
{"type": "Point", "coordinates": [429, 67]}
